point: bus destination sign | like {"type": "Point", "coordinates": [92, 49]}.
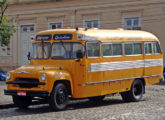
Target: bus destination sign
{"type": "Point", "coordinates": [43, 37]}
{"type": "Point", "coordinates": [63, 37]}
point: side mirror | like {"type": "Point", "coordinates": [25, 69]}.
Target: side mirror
{"type": "Point", "coordinates": [28, 56]}
{"type": "Point", "coordinates": [79, 54]}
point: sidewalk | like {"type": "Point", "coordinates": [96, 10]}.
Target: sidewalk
{"type": "Point", "coordinates": [5, 100]}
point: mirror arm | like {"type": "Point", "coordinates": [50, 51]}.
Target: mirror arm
{"type": "Point", "coordinates": [28, 56]}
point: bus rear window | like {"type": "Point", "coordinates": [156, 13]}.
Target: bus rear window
{"type": "Point", "coordinates": [156, 48]}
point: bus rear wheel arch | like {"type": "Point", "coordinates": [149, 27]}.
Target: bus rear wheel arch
{"type": "Point", "coordinates": [136, 92]}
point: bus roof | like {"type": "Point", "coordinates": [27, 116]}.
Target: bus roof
{"type": "Point", "coordinates": [104, 35]}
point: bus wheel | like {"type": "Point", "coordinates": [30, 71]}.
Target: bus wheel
{"type": "Point", "coordinates": [59, 97]}
{"type": "Point", "coordinates": [22, 101]}
{"type": "Point", "coordinates": [96, 99]}
{"type": "Point", "coordinates": [136, 92]}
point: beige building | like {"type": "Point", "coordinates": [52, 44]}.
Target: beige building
{"type": "Point", "coordinates": [33, 16]}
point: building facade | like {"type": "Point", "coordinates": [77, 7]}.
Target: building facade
{"type": "Point", "coordinates": [32, 16]}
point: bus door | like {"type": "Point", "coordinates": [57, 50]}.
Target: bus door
{"type": "Point", "coordinates": [148, 56]}
{"type": "Point", "coordinates": [93, 73]}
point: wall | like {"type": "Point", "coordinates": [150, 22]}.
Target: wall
{"type": "Point", "coordinates": [73, 12]}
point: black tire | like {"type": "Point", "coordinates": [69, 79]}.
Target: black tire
{"type": "Point", "coordinates": [96, 99]}
{"type": "Point", "coordinates": [22, 101]}
{"type": "Point", "coordinates": [136, 92]}
{"type": "Point", "coordinates": [59, 97]}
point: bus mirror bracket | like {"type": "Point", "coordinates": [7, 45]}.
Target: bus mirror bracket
{"type": "Point", "coordinates": [28, 56]}
{"type": "Point", "coordinates": [79, 54]}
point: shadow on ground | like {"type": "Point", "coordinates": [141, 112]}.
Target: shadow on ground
{"type": "Point", "coordinates": [44, 108]}
{"type": "Point", "coordinates": [161, 83]}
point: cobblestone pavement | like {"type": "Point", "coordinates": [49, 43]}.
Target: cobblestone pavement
{"type": "Point", "coordinates": [152, 107]}
{"type": "Point", "coordinates": [4, 99]}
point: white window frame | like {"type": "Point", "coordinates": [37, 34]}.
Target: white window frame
{"type": "Point", "coordinates": [131, 17]}
{"type": "Point", "coordinates": [54, 22]}
{"type": "Point", "coordinates": [90, 20]}
{"type": "Point", "coordinates": [5, 55]}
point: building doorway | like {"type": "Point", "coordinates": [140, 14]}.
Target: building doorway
{"type": "Point", "coordinates": [27, 31]}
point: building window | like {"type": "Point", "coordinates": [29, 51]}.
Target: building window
{"type": "Point", "coordinates": [91, 23]}
{"type": "Point", "coordinates": [132, 23]}
{"type": "Point", "coordinates": [5, 48]}
{"type": "Point", "coordinates": [55, 25]}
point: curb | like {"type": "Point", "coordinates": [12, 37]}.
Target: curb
{"type": "Point", "coordinates": [5, 106]}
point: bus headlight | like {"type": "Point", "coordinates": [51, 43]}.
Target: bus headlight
{"type": "Point", "coordinates": [8, 76]}
{"type": "Point", "coordinates": [43, 77]}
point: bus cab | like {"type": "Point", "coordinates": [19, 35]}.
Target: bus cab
{"type": "Point", "coordinates": [87, 63]}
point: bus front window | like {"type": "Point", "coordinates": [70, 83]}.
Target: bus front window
{"type": "Point", "coordinates": [66, 50]}
{"type": "Point", "coordinates": [41, 50]}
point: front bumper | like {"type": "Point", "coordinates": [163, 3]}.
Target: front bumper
{"type": "Point", "coordinates": [28, 93]}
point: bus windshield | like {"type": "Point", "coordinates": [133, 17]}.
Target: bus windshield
{"type": "Point", "coordinates": [40, 50]}
{"type": "Point", "coordinates": [66, 50]}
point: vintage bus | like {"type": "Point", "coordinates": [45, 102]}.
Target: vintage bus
{"type": "Point", "coordinates": [86, 63]}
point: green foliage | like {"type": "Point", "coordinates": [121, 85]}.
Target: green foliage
{"type": "Point", "coordinates": [6, 27]}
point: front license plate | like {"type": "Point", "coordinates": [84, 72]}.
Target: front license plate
{"type": "Point", "coordinates": [21, 93]}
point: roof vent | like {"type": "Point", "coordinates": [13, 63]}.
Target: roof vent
{"type": "Point", "coordinates": [77, 28]}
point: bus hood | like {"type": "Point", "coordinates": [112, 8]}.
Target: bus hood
{"type": "Point", "coordinates": [33, 69]}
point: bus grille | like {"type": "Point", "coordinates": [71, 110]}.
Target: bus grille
{"type": "Point", "coordinates": [26, 82]}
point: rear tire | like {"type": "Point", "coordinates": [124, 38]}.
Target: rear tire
{"type": "Point", "coordinates": [59, 97]}
{"type": "Point", "coordinates": [22, 101]}
{"type": "Point", "coordinates": [136, 92]}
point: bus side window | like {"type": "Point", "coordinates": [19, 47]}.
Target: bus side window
{"type": "Point", "coordinates": [133, 48]}
{"type": "Point", "coordinates": [111, 49]}
{"type": "Point", "coordinates": [147, 48]}
{"type": "Point", "coordinates": [93, 49]}
{"type": "Point", "coordinates": [156, 48]}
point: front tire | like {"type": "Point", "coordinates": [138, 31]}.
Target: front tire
{"type": "Point", "coordinates": [136, 92]}
{"type": "Point", "coordinates": [22, 101]}
{"type": "Point", "coordinates": [59, 97]}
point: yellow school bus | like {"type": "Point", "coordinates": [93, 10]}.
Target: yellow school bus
{"type": "Point", "coordinates": [86, 63]}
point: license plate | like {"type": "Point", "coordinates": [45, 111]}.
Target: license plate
{"type": "Point", "coordinates": [21, 93]}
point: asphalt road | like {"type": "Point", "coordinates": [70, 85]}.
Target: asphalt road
{"type": "Point", "coordinates": [152, 107]}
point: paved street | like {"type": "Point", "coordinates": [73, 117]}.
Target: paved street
{"type": "Point", "coordinates": [4, 99]}
{"type": "Point", "coordinates": [152, 107]}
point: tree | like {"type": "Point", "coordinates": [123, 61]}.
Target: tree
{"type": "Point", "coordinates": [6, 27]}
